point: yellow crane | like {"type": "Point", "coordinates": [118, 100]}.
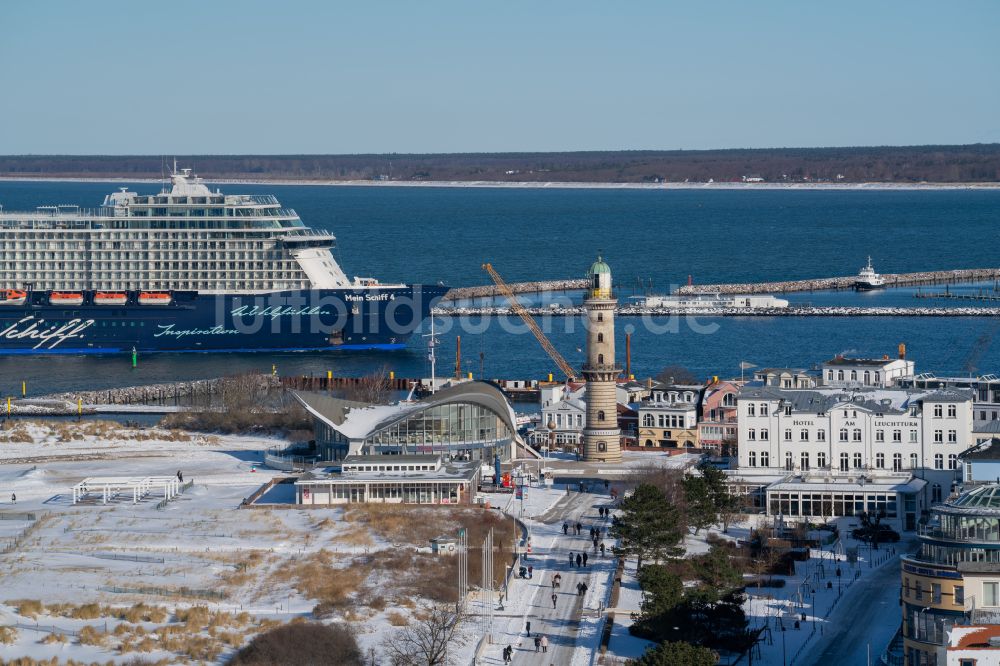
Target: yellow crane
{"type": "Point", "coordinates": [505, 289]}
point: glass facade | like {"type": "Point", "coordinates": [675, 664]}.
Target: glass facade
{"type": "Point", "coordinates": [463, 431]}
{"type": "Point", "coordinates": [819, 505]}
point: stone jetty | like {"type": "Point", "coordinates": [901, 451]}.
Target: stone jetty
{"type": "Point", "coordinates": [793, 311]}
{"type": "Point", "coordinates": [820, 284]}
{"type": "Point", "coordinates": [491, 291]}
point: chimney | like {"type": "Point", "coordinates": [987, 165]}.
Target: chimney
{"type": "Point", "coordinates": [902, 350]}
{"type": "Point", "coordinates": [690, 279]}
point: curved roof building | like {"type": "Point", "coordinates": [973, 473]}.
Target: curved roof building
{"type": "Point", "coordinates": [467, 421]}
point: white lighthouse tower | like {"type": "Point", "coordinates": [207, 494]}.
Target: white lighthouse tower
{"type": "Point", "coordinates": [601, 436]}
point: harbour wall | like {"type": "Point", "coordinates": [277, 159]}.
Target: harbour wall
{"type": "Point", "coordinates": [802, 311]}
{"type": "Point", "coordinates": [820, 284]}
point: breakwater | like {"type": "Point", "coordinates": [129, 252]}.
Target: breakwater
{"type": "Point", "coordinates": [491, 291]}
{"type": "Point", "coordinates": [802, 311]}
{"type": "Point", "coordinates": [821, 284]}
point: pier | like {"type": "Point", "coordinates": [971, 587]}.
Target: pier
{"type": "Point", "coordinates": [491, 291]}
{"type": "Point", "coordinates": [822, 284]}
{"type": "Point", "coordinates": [792, 311]}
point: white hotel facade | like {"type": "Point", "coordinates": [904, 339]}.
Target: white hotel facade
{"type": "Point", "coordinates": [832, 450]}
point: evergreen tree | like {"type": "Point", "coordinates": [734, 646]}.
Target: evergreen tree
{"type": "Point", "coordinates": [648, 526]}
{"type": "Point", "coordinates": [716, 570]}
{"type": "Point", "coordinates": [677, 654]}
{"type": "Point", "coordinates": [661, 590]}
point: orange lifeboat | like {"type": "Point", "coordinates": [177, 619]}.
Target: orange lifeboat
{"type": "Point", "coordinates": [110, 298]}
{"type": "Point", "coordinates": [13, 297]}
{"type": "Point", "coordinates": [65, 298]}
{"type": "Point", "coordinates": [154, 298]}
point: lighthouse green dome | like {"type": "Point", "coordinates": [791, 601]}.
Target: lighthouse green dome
{"type": "Point", "coordinates": [599, 267]}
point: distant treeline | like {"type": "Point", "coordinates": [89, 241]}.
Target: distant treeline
{"type": "Point", "coordinates": [909, 164]}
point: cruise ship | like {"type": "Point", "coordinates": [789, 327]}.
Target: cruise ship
{"type": "Point", "coordinates": [189, 270]}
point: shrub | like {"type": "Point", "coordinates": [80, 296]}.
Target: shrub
{"type": "Point", "coordinates": [91, 636]}
{"type": "Point", "coordinates": [303, 644]}
{"type": "Point", "coordinates": [7, 635]}
{"type": "Point", "coordinates": [54, 638]}
{"type": "Point", "coordinates": [396, 619]}
{"type": "Point", "coordinates": [87, 612]}
{"type": "Point", "coordinates": [28, 607]}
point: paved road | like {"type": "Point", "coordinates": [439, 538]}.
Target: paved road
{"type": "Point", "coordinates": [868, 613]}
{"type": "Point", "coordinates": [559, 624]}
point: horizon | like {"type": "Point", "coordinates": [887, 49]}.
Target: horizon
{"type": "Point", "coordinates": [308, 78]}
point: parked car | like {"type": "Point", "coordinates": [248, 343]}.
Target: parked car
{"type": "Point", "coordinates": [885, 534]}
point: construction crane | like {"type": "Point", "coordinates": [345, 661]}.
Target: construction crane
{"type": "Point", "coordinates": [505, 289]}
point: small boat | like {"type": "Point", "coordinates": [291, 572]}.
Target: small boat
{"type": "Point", "coordinates": [868, 279]}
{"type": "Point", "coordinates": [13, 297]}
{"type": "Point", "coordinates": [110, 298]}
{"type": "Point", "coordinates": [154, 298]}
{"type": "Point", "coordinates": [65, 298]}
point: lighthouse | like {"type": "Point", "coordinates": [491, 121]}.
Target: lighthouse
{"type": "Point", "coordinates": [601, 436]}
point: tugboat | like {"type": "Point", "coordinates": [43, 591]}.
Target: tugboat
{"type": "Point", "coordinates": [868, 279]}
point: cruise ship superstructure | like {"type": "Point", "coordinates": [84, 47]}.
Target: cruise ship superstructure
{"type": "Point", "coordinates": [188, 269]}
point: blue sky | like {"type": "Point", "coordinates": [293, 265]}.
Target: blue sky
{"type": "Point", "coordinates": [199, 77]}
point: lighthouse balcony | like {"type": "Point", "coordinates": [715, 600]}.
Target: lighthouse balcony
{"type": "Point", "coordinates": [602, 368]}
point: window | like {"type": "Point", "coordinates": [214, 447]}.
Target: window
{"type": "Point", "coordinates": [880, 435]}
{"type": "Point", "coordinates": [804, 435]}
{"type": "Point", "coordinates": [804, 461]}
{"type": "Point", "coordinates": [843, 462]}
{"type": "Point", "coordinates": [600, 316]}
{"type": "Point", "coordinates": [788, 460]}
{"type": "Point", "coordinates": [952, 461]}
{"type": "Point", "coordinates": [959, 595]}
{"type": "Point", "coordinates": [952, 411]}
{"type": "Point", "coordinates": [952, 436]}
{"type": "Point", "coordinates": [877, 376]}
{"type": "Point", "coordinates": [763, 409]}
{"type": "Point", "coordinates": [843, 434]}
{"type": "Point", "coordinates": [937, 411]}
{"type": "Point", "coordinates": [936, 593]}
{"type": "Point", "coordinates": [729, 400]}
{"type": "Point", "coordinates": [938, 461]}
{"type": "Point", "coordinates": [913, 461]}
{"type": "Point", "coordinates": [753, 458]}
{"type": "Point", "coordinates": [918, 590]}
{"type": "Point", "coordinates": [990, 593]}
{"type": "Point", "coordinates": [897, 435]}
{"type": "Point", "coordinates": [600, 359]}
{"type": "Point", "coordinates": [936, 492]}
{"type": "Point", "coordinates": [913, 436]}
{"type": "Point", "coordinates": [751, 434]}
{"type": "Point", "coordinates": [821, 435]}
{"type": "Point", "coordinates": [829, 375]}
{"type": "Point", "coordinates": [788, 434]}
{"type": "Point", "coordinates": [854, 375]}
{"type": "Point", "coordinates": [763, 434]}
{"type": "Point", "coordinates": [750, 409]}
{"type": "Point", "coordinates": [821, 458]}
{"type": "Point", "coordinates": [840, 375]}
{"type": "Point", "coordinates": [600, 337]}
{"type": "Point", "coordinates": [897, 462]}
{"type": "Point", "coordinates": [600, 415]}
{"type": "Point", "coordinates": [857, 461]}
{"type": "Point", "coordinates": [765, 459]}
{"type": "Point", "coordinates": [788, 410]}
{"type": "Point", "coordinates": [647, 420]}
{"type": "Point", "coordinates": [880, 460]}
{"type": "Point", "coordinates": [857, 434]}
{"type": "Point", "coordinates": [868, 378]}
{"type": "Point", "coordinates": [938, 436]}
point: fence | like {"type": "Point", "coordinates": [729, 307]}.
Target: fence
{"type": "Point", "coordinates": [163, 502]}
{"type": "Point", "coordinates": [165, 591]}
{"type": "Point", "coordinates": [14, 543]}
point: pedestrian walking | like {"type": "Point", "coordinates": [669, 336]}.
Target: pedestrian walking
{"type": "Point", "coordinates": [545, 643]}
{"type": "Point", "coordinates": [554, 597]}
{"type": "Point", "coordinates": [13, 498]}
{"type": "Point", "coordinates": [566, 528]}
{"type": "Point", "coordinates": [531, 570]}
{"type": "Point", "coordinates": [579, 589]}
{"type": "Point", "coordinates": [554, 582]}
{"type": "Point", "coordinates": [558, 581]}
{"type": "Point", "coordinates": [579, 527]}
{"type": "Point", "coordinates": [583, 588]}
{"type": "Point", "coordinates": [527, 628]}
{"type": "Point", "coordinates": [584, 558]}
{"type": "Point", "coordinates": [602, 549]}
{"type": "Point", "coordinates": [579, 559]}
{"type": "Point", "coordinates": [538, 643]}
{"type": "Point", "coordinates": [571, 558]}
{"type": "Point", "coordinates": [507, 653]}
{"type": "Point", "coordinates": [595, 545]}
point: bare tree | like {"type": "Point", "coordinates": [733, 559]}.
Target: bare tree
{"type": "Point", "coordinates": [425, 641]}
{"type": "Point", "coordinates": [373, 388]}
{"type": "Point", "coordinates": [676, 374]}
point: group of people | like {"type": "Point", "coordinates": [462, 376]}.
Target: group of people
{"type": "Point", "coordinates": [541, 645]}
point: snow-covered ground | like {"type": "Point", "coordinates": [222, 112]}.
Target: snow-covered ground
{"type": "Point", "coordinates": [199, 549]}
